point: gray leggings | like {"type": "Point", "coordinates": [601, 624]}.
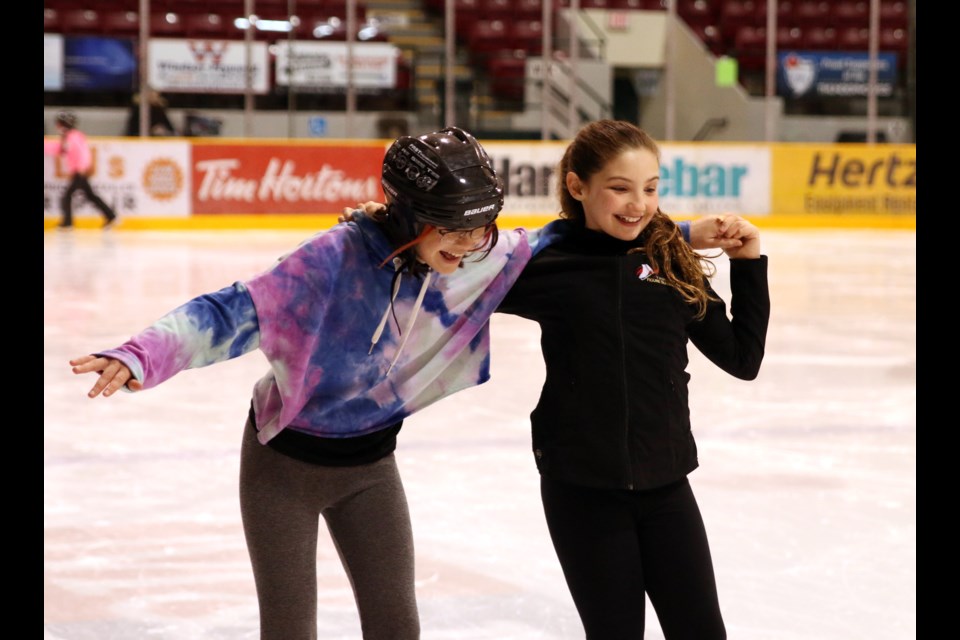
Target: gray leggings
{"type": "Point", "coordinates": [365, 508]}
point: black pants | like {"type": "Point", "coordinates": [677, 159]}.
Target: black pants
{"type": "Point", "coordinates": [79, 182]}
{"type": "Point", "coordinates": [616, 546]}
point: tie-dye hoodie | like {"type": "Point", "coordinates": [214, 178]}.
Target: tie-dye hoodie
{"type": "Point", "coordinates": [316, 316]}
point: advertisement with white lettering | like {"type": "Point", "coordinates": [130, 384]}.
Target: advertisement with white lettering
{"type": "Point", "coordinates": [137, 179]}
{"type": "Point", "coordinates": [839, 75]}
{"type": "Point", "coordinates": [285, 179]}
{"type": "Point", "coordinates": [211, 66]}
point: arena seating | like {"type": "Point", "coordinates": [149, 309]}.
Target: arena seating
{"type": "Point", "coordinates": [501, 33]}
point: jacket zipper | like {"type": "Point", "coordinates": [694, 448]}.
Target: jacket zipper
{"type": "Point", "coordinates": [620, 263]}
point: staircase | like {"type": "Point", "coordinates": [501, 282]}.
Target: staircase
{"type": "Point", "coordinates": [419, 36]}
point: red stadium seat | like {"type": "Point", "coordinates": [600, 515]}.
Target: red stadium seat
{"type": "Point", "coordinates": [853, 39]}
{"type": "Point", "coordinates": [207, 25]}
{"type": "Point", "coordinates": [80, 21]}
{"type": "Point", "coordinates": [697, 12]}
{"type": "Point", "coordinates": [526, 35]}
{"type": "Point", "coordinates": [735, 14]}
{"type": "Point", "coordinates": [894, 39]}
{"type": "Point", "coordinates": [51, 21]}
{"type": "Point", "coordinates": [789, 38]}
{"type": "Point", "coordinates": [508, 77]}
{"type": "Point", "coordinates": [850, 13]}
{"type": "Point", "coordinates": [750, 47]}
{"type": "Point", "coordinates": [528, 9]}
{"type": "Point", "coordinates": [466, 12]}
{"type": "Point", "coordinates": [820, 38]}
{"type": "Point", "coordinates": [497, 9]}
{"type": "Point", "coordinates": [167, 24]}
{"type": "Point", "coordinates": [894, 13]}
{"type": "Point", "coordinates": [709, 34]}
{"type": "Point", "coordinates": [808, 13]}
{"type": "Point", "coordinates": [338, 8]}
{"type": "Point", "coordinates": [486, 37]}
{"type": "Point", "coordinates": [121, 23]}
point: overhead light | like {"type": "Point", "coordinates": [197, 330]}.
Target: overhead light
{"type": "Point", "coordinates": [282, 26]}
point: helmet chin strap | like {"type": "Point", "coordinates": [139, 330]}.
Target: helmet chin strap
{"type": "Point", "coordinates": [427, 228]}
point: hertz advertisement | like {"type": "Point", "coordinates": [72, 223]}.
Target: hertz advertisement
{"type": "Point", "coordinates": [845, 179]}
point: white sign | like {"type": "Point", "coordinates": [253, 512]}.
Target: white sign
{"type": "Point", "coordinates": [52, 62]}
{"type": "Point", "coordinates": [704, 179]}
{"type": "Point", "coordinates": [324, 64]}
{"type": "Point", "coordinates": [694, 179]}
{"type": "Point", "coordinates": [208, 66]}
{"type": "Point", "coordinates": [139, 179]}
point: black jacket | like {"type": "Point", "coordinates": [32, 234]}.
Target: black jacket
{"type": "Point", "coordinates": [613, 412]}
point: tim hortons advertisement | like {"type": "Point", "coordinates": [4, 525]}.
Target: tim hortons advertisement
{"type": "Point", "coordinates": [319, 178]}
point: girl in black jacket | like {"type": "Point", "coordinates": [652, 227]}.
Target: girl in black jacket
{"type": "Point", "coordinates": [617, 299]}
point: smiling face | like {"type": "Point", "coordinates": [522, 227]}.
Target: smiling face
{"type": "Point", "coordinates": [621, 198]}
{"type": "Point", "coordinates": [443, 250]}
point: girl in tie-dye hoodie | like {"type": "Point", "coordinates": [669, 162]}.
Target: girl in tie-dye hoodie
{"type": "Point", "coordinates": [362, 325]}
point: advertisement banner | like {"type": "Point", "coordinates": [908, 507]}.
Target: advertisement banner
{"type": "Point", "coordinates": [699, 179]}
{"type": "Point", "coordinates": [322, 66]}
{"type": "Point", "coordinates": [528, 173]}
{"type": "Point", "coordinates": [137, 179]}
{"type": "Point", "coordinates": [285, 178]}
{"type": "Point", "coordinates": [92, 63]}
{"type": "Point", "coordinates": [52, 62]}
{"type": "Point", "coordinates": [694, 179]}
{"type": "Point", "coordinates": [806, 74]}
{"type": "Point", "coordinates": [206, 66]}
{"type": "Point", "coordinates": [848, 179]}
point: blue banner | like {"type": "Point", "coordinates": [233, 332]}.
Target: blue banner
{"type": "Point", "coordinates": [817, 74]}
{"type": "Point", "coordinates": [92, 63]}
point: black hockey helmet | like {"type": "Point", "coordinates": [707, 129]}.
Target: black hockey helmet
{"type": "Point", "coordinates": [445, 178]}
{"type": "Point", "coordinates": [67, 119]}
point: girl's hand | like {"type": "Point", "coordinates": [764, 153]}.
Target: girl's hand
{"type": "Point", "coordinates": [748, 235]}
{"type": "Point", "coordinates": [369, 208]}
{"type": "Point", "coordinates": [113, 375]}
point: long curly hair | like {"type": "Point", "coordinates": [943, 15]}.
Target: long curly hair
{"type": "Point", "coordinates": [595, 145]}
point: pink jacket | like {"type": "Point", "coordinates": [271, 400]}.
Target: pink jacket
{"type": "Point", "coordinates": [74, 149]}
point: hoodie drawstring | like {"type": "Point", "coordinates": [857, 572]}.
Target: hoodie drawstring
{"type": "Point", "coordinates": [386, 314]}
{"type": "Point", "coordinates": [413, 317]}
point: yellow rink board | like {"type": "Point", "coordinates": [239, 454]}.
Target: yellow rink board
{"type": "Point", "coordinates": [506, 221]}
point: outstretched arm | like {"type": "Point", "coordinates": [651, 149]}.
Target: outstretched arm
{"type": "Point", "coordinates": [210, 328]}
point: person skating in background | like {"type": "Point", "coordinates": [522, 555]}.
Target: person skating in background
{"type": "Point", "coordinates": [617, 298]}
{"type": "Point", "coordinates": [74, 149]}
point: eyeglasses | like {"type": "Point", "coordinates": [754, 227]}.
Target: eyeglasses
{"type": "Point", "coordinates": [476, 237]}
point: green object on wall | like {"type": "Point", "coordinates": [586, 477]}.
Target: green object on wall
{"type": "Point", "coordinates": [726, 71]}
